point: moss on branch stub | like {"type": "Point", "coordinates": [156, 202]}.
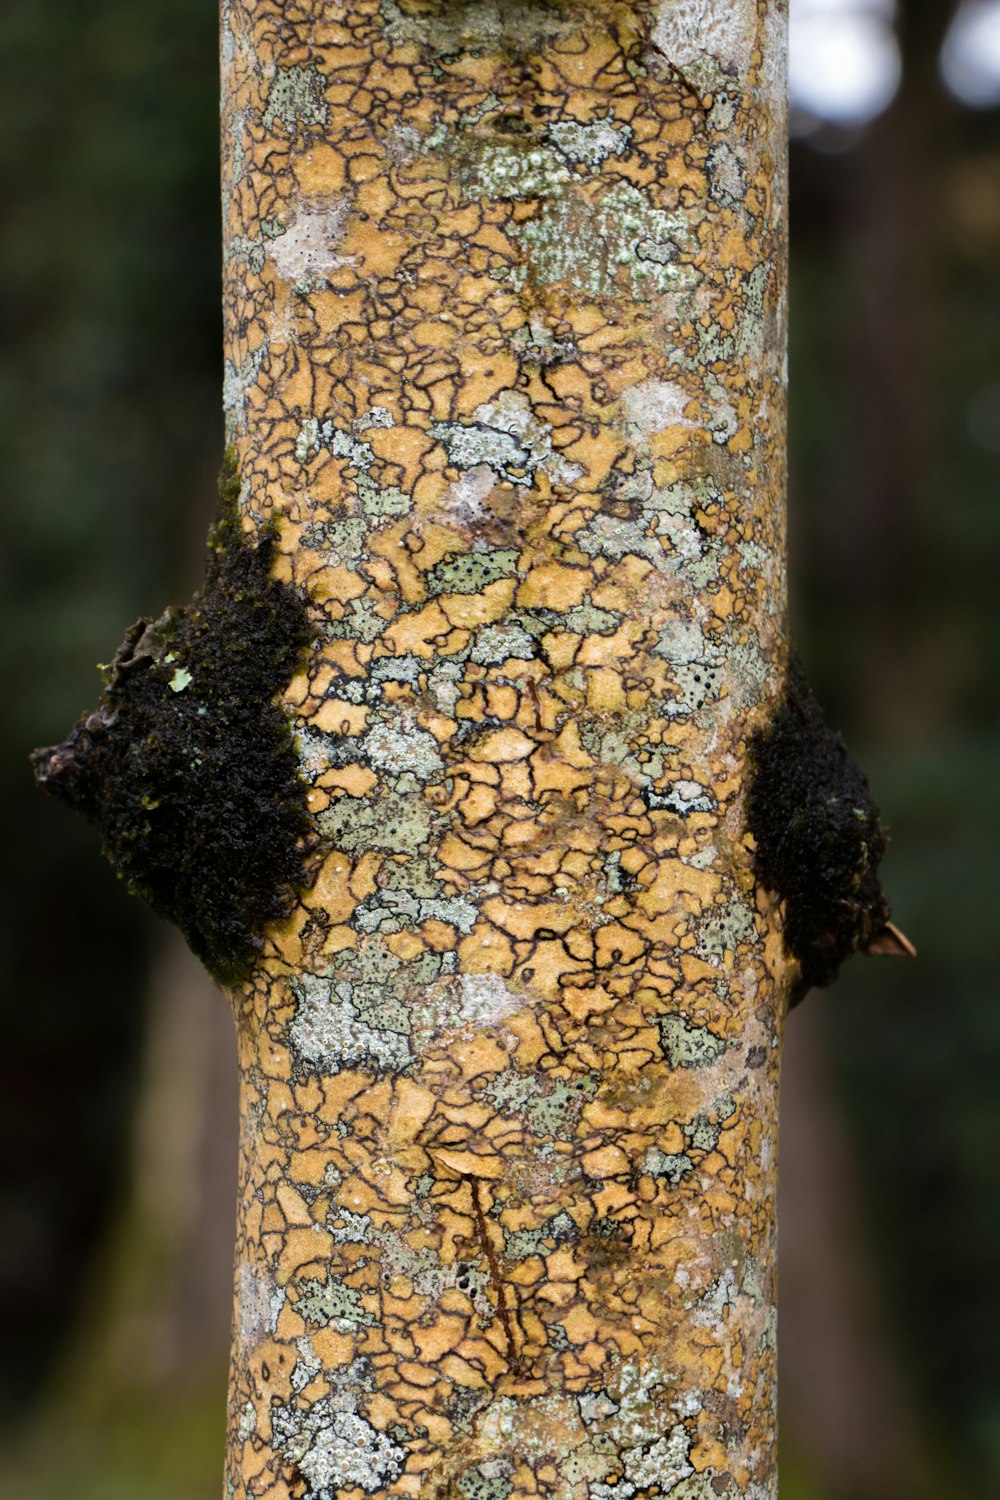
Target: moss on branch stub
{"type": "Point", "coordinates": [818, 834]}
{"type": "Point", "coordinates": [188, 766]}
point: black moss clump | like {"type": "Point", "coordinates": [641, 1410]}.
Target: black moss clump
{"type": "Point", "coordinates": [818, 836]}
{"type": "Point", "coordinates": [188, 766]}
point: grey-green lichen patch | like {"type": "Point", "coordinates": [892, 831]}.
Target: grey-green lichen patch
{"type": "Point", "coordinates": [695, 667]}
{"type": "Point", "coordinates": [494, 644]}
{"type": "Point", "coordinates": [470, 572]}
{"type": "Point", "coordinates": [339, 541]}
{"type": "Point", "coordinates": [458, 27]}
{"type": "Point", "coordinates": [662, 1463]}
{"type": "Point", "coordinates": [722, 419]}
{"type": "Point", "coordinates": [395, 821]}
{"type": "Point", "coordinates": [348, 1228]}
{"type": "Point", "coordinates": [621, 746]}
{"type": "Point", "coordinates": [724, 929]}
{"type": "Point", "coordinates": [332, 1304]}
{"type": "Point", "coordinates": [360, 622]}
{"type": "Point", "coordinates": [664, 530]}
{"type": "Point", "coordinates": [395, 743]}
{"type": "Point", "coordinates": [594, 247]}
{"type": "Point", "coordinates": [379, 502]}
{"type": "Point", "coordinates": [306, 1367]}
{"type": "Point", "coordinates": [703, 859]}
{"type": "Point", "coordinates": [247, 249]}
{"type": "Point", "coordinates": [750, 333]}
{"type": "Point", "coordinates": [688, 1046]}
{"type": "Point", "coordinates": [237, 381]}
{"type": "Point", "coordinates": [390, 911]}
{"type": "Point", "coordinates": [593, 142]}
{"type": "Point", "coordinates": [614, 538]}
{"type": "Point", "coordinates": [548, 1107]}
{"type": "Point", "coordinates": [684, 797]}
{"type": "Point", "coordinates": [619, 1423]}
{"type": "Point", "coordinates": [335, 1449]}
{"type": "Point", "coordinates": [501, 169]}
{"type": "Point", "coordinates": [508, 438]}
{"type": "Point", "coordinates": [248, 1420]}
{"type": "Point", "coordinates": [710, 40]}
{"type": "Point", "coordinates": [297, 97]}
{"type": "Point", "coordinates": [727, 179]}
{"type": "Point", "coordinates": [487, 1481]}
{"type": "Point", "coordinates": [519, 1244]}
{"type": "Point", "coordinates": [535, 343]}
{"type": "Point", "coordinates": [332, 1028]}
{"type": "Point", "coordinates": [429, 1275]}
{"type": "Point", "coordinates": [704, 1130]}
{"type": "Point", "coordinates": [672, 1166]}
{"type": "Point", "coordinates": [587, 618]}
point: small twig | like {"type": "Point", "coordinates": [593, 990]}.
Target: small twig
{"type": "Point", "coordinates": [503, 1312]}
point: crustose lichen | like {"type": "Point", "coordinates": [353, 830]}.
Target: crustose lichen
{"type": "Point", "coordinates": [188, 765]}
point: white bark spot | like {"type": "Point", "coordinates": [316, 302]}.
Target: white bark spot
{"type": "Point", "coordinates": [692, 32]}
{"type": "Point", "coordinates": [308, 247]}
{"type": "Point", "coordinates": [654, 405]}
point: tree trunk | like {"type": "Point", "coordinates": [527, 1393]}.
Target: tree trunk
{"type": "Point", "coordinates": [505, 358]}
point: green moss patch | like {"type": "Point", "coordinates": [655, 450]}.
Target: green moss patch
{"type": "Point", "coordinates": [188, 766]}
{"type": "Point", "coordinates": [818, 836]}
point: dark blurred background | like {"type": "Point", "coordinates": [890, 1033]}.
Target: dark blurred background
{"type": "Point", "coordinates": [117, 1073]}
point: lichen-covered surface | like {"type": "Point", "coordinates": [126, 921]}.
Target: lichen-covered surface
{"type": "Point", "coordinates": [504, 302]}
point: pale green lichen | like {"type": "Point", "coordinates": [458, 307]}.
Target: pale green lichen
{"type": "Point", "coordinates": [470, 572]}
{"type": "Point", "coordinates": [727, 179]}
{"type": "Point", "coordinates": [519, 1244]}
{"type": "Point", "coordinates": [332, 1304]}
{"type": "Point", "coordinates": [594, 247]}
{"type": "Point", "coordinates": [587, 619]}
{"type": "Point", "coordinates": [360, 622]}
{"type": "Point", "coordinates": [593, 142]}
{"type": "Point", "coordinates": [683, 798]}
{"type": "Point", "coordinates": [332, 1028]}
{"type": "Point", "coordinates": [494, 644]}
{"type": "Point", "coordinates": [335, 1449]}
{"type": "Point", "coordinates": [396, 743]}
{"type": "Point", "coordinates": [428, 1274]}
{"type": "Point", "coordinates": [379, 502]}
{"type": "Point", "coordinates": [394, 821]}
{"type": "Point", "coordinates": [508, 438]}
{"type": "Point", "coordinates": [477, 25]}
{"type": "Point", "coordinates": [725, 929]}
{"type": "Point", "coordinates": [548, 1107]}
{"type": "Point", "coordinates": [296, 97]}
{"type": "Point", "coordinates": [507, 170]}
{"type": "Point", "coordinates": [487, 1481]}
{"type": "Point", "coordinates": [712, 43]}
{"type": "Point", "coordinates": [688, 1046]}
{"type": "Point", "coordinates": [671, 1166]}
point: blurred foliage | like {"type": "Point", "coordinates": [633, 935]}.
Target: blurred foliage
{"type": "Point", "coordinates": [109, 379]}
{"type": "Point", "coordinates": [109, 382]}
{"type": "Point", "coordinates": [895, 533]}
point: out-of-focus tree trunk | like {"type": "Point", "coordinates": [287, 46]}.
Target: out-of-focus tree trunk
{"type": "Point", "coordinates": [504, 319]}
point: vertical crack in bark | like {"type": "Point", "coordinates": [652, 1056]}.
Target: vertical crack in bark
{"type": "Point", "coordinates": [507, 1318]}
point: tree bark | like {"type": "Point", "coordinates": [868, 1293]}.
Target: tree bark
{"type": "Point", "coordinates": [504, 292]}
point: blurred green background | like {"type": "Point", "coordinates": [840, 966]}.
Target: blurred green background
{"type": "Point", "coordinates": [117, 1077]}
